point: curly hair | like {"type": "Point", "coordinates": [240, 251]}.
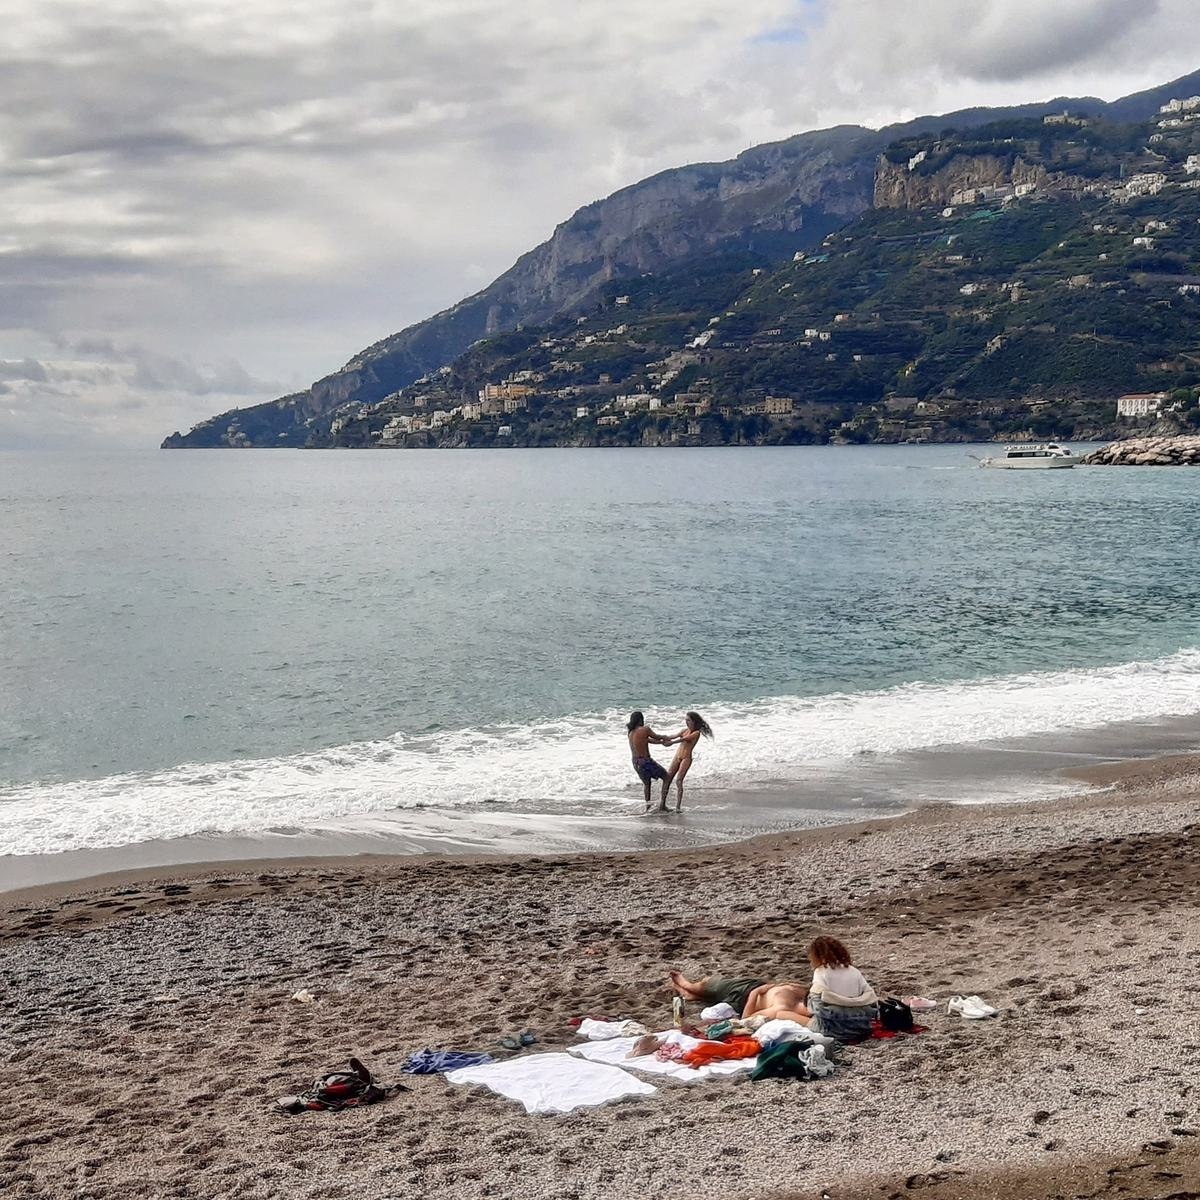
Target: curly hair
{"type": "Point", "coordinates": [828, 952]}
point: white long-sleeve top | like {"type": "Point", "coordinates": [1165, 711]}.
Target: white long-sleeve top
{"type": "Point", "coordinates": [840, 984]}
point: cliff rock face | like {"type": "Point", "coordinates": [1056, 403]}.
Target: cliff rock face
{"type": "Point", "coordinates": [773, 200]}
{"type": "Point", "coordinates": [898, 187]}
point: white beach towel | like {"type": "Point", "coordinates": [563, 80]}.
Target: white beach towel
{"type": "Point", "coordinates": [553, 1083]}
{"type": "Point", "coordinates": [598, 1031]}
{"type": "Point", "coordinates": [615, 1050]}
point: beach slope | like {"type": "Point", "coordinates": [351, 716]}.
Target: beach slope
{"type": "Point", "coordinates": [149, 1022]}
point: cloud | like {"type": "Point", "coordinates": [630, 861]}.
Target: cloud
{"type": "Point", "coordinates": [94, 389]}
{"type": "Point", "coordinates": [279, 184]}
{"type": "Point", "coordinates": [27, 369]}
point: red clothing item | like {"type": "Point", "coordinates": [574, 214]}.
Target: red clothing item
{"type": "Point", "coordinates": [711, 1052]}
{"type": "Point", "coordinates": [885, 1035]}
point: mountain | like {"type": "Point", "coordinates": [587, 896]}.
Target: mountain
{"type": "Point", "coordinates": [767, 204]}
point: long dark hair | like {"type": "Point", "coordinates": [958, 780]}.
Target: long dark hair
{"type": "Point", "coordinates": [636, 720]}
{"type": "Point", "coordinates": [698, 723]}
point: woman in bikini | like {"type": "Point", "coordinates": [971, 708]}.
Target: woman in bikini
{"type": "Point", "coordinates": [696, 727]}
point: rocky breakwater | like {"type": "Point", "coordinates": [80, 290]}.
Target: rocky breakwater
{"type": "Point", "coordinates": [1178, 450]}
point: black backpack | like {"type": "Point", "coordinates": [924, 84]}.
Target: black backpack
{"type": "Point", "coordinates": [339, 1089]}
{"type": "Point", "coordinates": [895, 1016]}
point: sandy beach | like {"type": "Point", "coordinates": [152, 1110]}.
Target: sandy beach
{"type": "Point", "coordinates": [149, 1025]}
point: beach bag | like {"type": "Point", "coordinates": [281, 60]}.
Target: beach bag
{"type": "Point", "coordinates": [895, 1016]}
{"type": "Point", "coordinates": [338, 1090]}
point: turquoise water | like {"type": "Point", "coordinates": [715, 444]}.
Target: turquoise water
{"type": "Point", "coordinates": [223, 641]}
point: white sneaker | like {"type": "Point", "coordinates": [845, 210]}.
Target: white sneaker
{"type": "Point", "coordinates": [985, 1008]}
{"type": "Point", "coordinates": [967, 1008]}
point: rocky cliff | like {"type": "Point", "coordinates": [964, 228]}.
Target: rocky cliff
{"type": "Point", "coordinates": [898, 187]}
{"type": "Point", "coordinates": [771, 200]}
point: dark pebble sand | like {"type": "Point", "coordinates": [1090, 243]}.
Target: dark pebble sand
{"type": "Point", "coordinates": [147, 1021]}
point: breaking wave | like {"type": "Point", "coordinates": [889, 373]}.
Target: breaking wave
{"type": "Point", "coordinates": [581, 757]}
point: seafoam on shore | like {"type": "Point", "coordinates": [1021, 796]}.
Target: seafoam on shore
{"type": "Point", "coordinates": [576, 765]}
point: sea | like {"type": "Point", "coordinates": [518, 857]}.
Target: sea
{"type": "Point", "coordinates": [219, 654]}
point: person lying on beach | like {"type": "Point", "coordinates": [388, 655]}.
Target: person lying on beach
{"type": "Point", "coordinates": [640, 737]}
{"type": "Point", "coordinates": [843, 1003]}
{"type": "Point", "coordinates": [779, 1002]}
{"type": "Point", "coordinates": [782, 1001]}
{"type": "Point", "coordinates": [694, 727]}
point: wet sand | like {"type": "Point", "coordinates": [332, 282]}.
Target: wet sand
{"type": "Point", "coordinates": [148, 1020]}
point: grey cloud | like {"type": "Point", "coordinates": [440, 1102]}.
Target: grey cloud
{"type": "Point", "coordinates": [999, 46]}
{"type": "Point", "coordinates": [161, 373]}
{"type": "Point", "coordinates": [24, 368]}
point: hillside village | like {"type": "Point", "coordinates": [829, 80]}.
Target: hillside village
{"type": "Point", "coordinates": [1035, 277]}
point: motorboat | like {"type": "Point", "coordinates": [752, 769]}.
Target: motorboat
{"type": "Point", "coordinates": [1045, 456]}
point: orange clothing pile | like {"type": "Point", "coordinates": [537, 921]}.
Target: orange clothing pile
{"type": "Point", "coordinates": [711, 1052]}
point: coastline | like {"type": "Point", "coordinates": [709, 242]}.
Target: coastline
{"type": "Point", "coordinates": [1005, 771]}
{"type": "Point", "coordinates": [1139, 779]}
{"type": "Point", "coordinates": [1042, 908]}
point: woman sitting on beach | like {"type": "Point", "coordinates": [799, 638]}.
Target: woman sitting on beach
{"type": "Point", "coordinates": [842, 1002]}
{"type": "Point", "coordinates": [694, 727]}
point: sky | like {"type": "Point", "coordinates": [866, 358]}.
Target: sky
{"type": "Point", "coordinates": [208, 204]}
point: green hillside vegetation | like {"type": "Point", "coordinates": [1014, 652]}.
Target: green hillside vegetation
{"type": "Point", "coordinates": [1006, 315]}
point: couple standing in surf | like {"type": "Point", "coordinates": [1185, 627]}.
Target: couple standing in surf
{"type": "Point", "coordinates": [641, 736]}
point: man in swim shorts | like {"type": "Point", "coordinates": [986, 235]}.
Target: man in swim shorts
{"type": "Point", "coordinates": [747, 997]}
{"type": "Point", "coordinates": [647, 769]}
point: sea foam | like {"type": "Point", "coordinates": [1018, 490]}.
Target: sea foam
{"type": "Point", "coordinates": [582, 757]}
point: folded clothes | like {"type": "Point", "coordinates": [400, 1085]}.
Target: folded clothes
{"type": "Point", "coordinates": [598, 1031]}
{"type": "Point", "coordinates": [792, 1060]}
{"type": "Point", "coordinates": [616, 1051]}
{"type": "Point", "coordinates": [774, 1033]}
{"type": "Point", "coordinates": [719, 1012]}
{"type": "Point", "coordinates": [434, 1062]}
{"type": "Point", "coordinates": [711, 1052]}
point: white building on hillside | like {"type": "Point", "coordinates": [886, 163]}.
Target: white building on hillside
{"type": "Point", "coordinates": [1140, 404]}
{"type": "Point", "coordinates": [1192, 165]}
{"type": "Point", "coordinates": [1148, 183]}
